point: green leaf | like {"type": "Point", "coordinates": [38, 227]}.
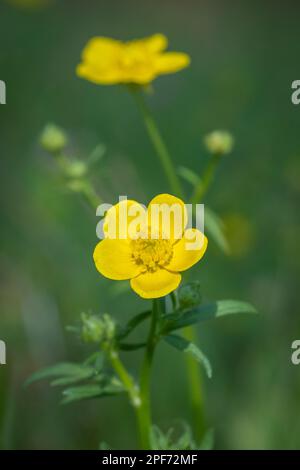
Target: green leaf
{"type": "Point", "coordinates": [183, 345]}
{"type": "Point", "coordinates": [185, 441]}
{"type": "Point", "coordinates": [133, 323]}
{"type": "Point", "coordinates": [172, 440]}
{"type": "Point", "coordinates": [209, 311]}
{"type": "Point", "coordinates": [67, 372]}
{"type": "Point", "coordinates": [188, 175]}
{"type": "Point", "coordinates": [158, 439]}
{"type": "Point", "coordinates": [73, 329]}
{"type": "Point", "coordinates": [96, 154]}
{"type": "Point", "coordinates": [63, 381]}
{"type": "Point", "coordinates": [208, 441]}
{"type": "Point", "coordinates": [215, 228]}
{"type": "Point", "coordinates": [96, 360]}
{"type": "Point", "coordinates": [84, 392]}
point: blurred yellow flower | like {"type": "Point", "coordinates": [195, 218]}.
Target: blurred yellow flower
{"type": "Point", "coordinates": [107, 61]}
{"type": "Point", "coordinates": [144, 254]}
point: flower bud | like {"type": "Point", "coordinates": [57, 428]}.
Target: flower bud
{"type": "Point", "coordinates": [53, 139]}
{"type": "Point", "coordinates": [76, 169]}
{"type": "Point", "coordinates": [189, 294]}
{"type": "Point", "coordinates": [219, 142]}
{"type": "Point", "coordinates": [97, 328]}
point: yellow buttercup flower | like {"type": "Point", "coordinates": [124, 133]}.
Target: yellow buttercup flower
{"type": "Point", "coordinates": [146, 252]}
{"type": "Point", "coordinates": [107, 61]}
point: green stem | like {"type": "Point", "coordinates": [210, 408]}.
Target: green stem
{"type": "Point", "coordinates": [134, 396]}
{"type": "Point", "coordinates": [195, 387]}
{"type": "Point", "coordinates": [159, 144]}
{"type": "Point", "coordinates": [173, 300]}
{"type": "Point", "coordinates": [83, 184]}
{"type": "Point", "coordinates": [145, 375]}
{"type": "Point", "coordinates": [62, 161]}
{"type": "Point", "coordinates": [202, 187]}
{"type": "Point", "coordinates": [140, 397]}
{"type": "Point", "coordinates": [90, 195]}
{"type": "Point", "coordinates": [125, 378]}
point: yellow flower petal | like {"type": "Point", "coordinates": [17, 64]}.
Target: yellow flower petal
{"type": "Point", "coordinates": [102, 51]}
{"type": "Point", "coordinates": [184, 258]}
{"type": "Point", "coordinates": [100, 61]}
{"type": "Point", "coordinates": [156, 284]}
{"type": "Point", "coordinates": [167, 216]}
{"type": "Point", "coordinates": [113, 259]}
{"type": "Point", "coordinates": [169, 62]}
{"type": "Point", "coordinates": [124, 220]}
{"type": "Point", "coordinates": [156, 42]}
{"type": "Point", "coordinates": [99, 77]}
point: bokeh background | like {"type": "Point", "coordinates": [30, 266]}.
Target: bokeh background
{"type": "Point", "coordinates": [244, 58]}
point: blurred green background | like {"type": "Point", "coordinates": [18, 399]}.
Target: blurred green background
{"type": "Point", "coordinates": [244, 58]}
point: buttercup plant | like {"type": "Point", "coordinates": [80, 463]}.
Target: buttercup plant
{"type": "Point", "coordinates": [153, 262]}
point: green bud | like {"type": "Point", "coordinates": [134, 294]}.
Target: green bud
{"type": "Point", "coordinates": [219, 142]}
{"type": "Point", "coordinates": [97, 328]}
{"type": "Point", "coordinates": [76, 169]}
{"type": "Point", "coordinates": [53, 139]}
{"type": "Point", "coordinates": [189, 295]}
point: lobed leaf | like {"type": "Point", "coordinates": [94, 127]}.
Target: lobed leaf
{"type": "Point", "coordinates": [89, 391]}
{"type": "Point", "coordinates": [170, 440]}
{"type": "Point", "coordinates": [68, 372]}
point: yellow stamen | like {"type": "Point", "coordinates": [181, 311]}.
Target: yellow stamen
{"type": "Point", "coordinates": [152, 254]}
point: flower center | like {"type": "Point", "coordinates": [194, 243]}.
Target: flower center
{"type": "Point", "coordinates": [152, 254]}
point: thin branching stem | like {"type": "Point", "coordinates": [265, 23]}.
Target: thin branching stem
{"type": "Point", "coordinates": [203, 185]}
